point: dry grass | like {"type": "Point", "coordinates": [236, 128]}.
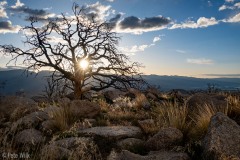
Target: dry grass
{"type": "Point", "coordinates": [63, 118]}
{"type": "Point", "coordinates": [172, 115]}
{"type": "Point", "coordinates": [140, 101]}
{"type": "Point", "coordinates": [150, 127]}
{"type": "Point", "coordinates": [234, 103]}
{"type": "Point", "coordinates": [103, 105]}
{"type": "Point", "coordinates": [201, 119]}
{"type": "Point", "coordinates": [229, 157]}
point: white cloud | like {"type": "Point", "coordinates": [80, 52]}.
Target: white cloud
{"type": "Point", "coordinates": [201, 61]}
{"type": "Point", "coordinates": [139, 48]}
{"type": "Point", "coordinates": [54, 39]}
{"type": "Point", "coordinates": [157, 38]}
{"type": "Point", "coordinates": [224, 7]}
{"type": "Point", "coordinates": [3, 13]}
{"type": "Point", "coordinates": [7, 27]}
{"type": "Point", "coordinates": [18, 4]}
{"type": "Point", "coordinates": [181, 51]}
{"type": "Point", "coordinates": [134, 49]}
{"type": "Point", "coordinates": [3, 3]}
{"type": "Point", "coordinates": [138, 31]}
{"type": "Point", "coordinates": [233, 19]}
{"type": "Point", "coordinates": [99, 10]}
{"type": "Point", "coordinates": [202, 22]}
{"type": "Point", "coordinates": [137, 25]}
{"type": "Point", "coordinates": [237, 5]}
{"type": "Point", "coordinates": [229, 1]}
{"type": "Point", "coordinates": [110, 0]}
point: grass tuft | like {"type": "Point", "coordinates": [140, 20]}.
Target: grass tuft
{"type": "Point", "coordinates": [201, 119]}
{"type": "Point", "coordinates": [172, 115]}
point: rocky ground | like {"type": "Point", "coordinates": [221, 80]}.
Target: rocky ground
{"type": "Point", "coordinates": [122, 126]}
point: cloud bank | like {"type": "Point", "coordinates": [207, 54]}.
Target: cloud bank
{"type": "Point", "coordinates": [137, 25]}
{"type": "Point", "coordinates": [7, 27]}
{"type": "Point", "coordinates": [202, 22]}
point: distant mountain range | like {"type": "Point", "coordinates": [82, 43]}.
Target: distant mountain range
{"type": "Point", "coordinates": [12, 81]}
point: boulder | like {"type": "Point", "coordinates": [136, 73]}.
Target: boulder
{"type": "Point", "coordinates": [29, 121]}
{"type": "Point", "coordinates": [111, 95]}
{"type": "Point", "coordinates": [147, 125]}
{"type": "Point", "coordinates": [63, 101]}
{"type": "Point", "coordinates": [151, 96]}
{"type": "Point", "coordinates": [10, 103]}
{"type": "Point", "coordinates": [29, 138]}
{"type": "Point", "coordinates": [112, 132]}
{"type": "Point", "coordinates": [71, 142]}
{"type": "Point", "coordinates": [85, 149]}
{"type": "Point", "coordinates": [72, 148]}
{"type": "Point", "coordinates": [202, 99]}
{"type": "Point", "coordinates": [131, 144]}
{"type": "Point", "coordinates": [22, 111]}
{"type": "Point", "coordinates": [222, 138]}
{"type": "Point", "coordinates": [162, 155]}
{"type": "Point", "coordinates": [54, 152]}
{"type": "Point", "coordinates": [41, 99]}
{"type": "Point", "coordinates": [84, 109]}
{"type": "Point", "coordinates": [166, 138]}
{"type": "Point", "coordinates": [48, 127]}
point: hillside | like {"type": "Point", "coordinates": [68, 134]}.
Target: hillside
{"type": "Point", "coordinates": [33, 84]}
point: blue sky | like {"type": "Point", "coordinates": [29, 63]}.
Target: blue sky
{"type": "Point", "coordinates": [197, 38]}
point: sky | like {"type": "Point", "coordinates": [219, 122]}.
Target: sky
{"type": "Point", "coordinates": [197, 38]}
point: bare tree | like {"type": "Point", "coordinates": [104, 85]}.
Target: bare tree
{"type": "Point", "coordinates": [81, 38]}
{"type": "Point", "coordinates": [55, 89]}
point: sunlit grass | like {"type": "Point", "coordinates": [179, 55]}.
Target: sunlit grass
{"type": "Point", "coordinates": [63, 118]}
{"type": "Point", "coordinates": [172, 115]}
{"type": "Point", "coordinates": [201, 119]}
{"type": "Point", "coordinates": [234, 103]}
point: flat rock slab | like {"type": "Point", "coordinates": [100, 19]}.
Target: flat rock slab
{"type": "Point", "coordinates": [115, 132]}
{"type": "Point", "coordinates": [162, 155]}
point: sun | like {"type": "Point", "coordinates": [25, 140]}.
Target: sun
{"type": "Point", "coordinates": [84, 64]}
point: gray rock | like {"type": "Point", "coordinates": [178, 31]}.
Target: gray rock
{"type": "Point", "coordinates": [40, 99]}
{"type": "Point", "coordinates": [72, 148]}
{"type": "Point", "coordinates": [163, 155]}
{"type": "Point", "coordinates": [84, 109]}
{"type": "Point", "coordinates": [72, 142]}
{"type": "Point", "coordinates": [54, 152]}
{"type": "Point", "coordinates": [147, 125]}
{"type": "Point", "coordinates": [131, 144]}
{"type": "Point", "coordinates": [202, 99]}
{"type": "Point", "coordinates": [48, 127]}
{"type": "Point", "coordinates": [29, 121]}
{"type": "Point", "coordinates": [29, 138]}
{"type": "Point", "coordinates": [111, 95]}
{"type": "Point", "coordinates": [222, 138]}
{"type": "Point", "coordinates": [166, 138]}
{"type": "Point", "coordinates": [113, 132]}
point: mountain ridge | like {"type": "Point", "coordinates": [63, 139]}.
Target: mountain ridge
{"type": "Point", "coordinates": [14, 81]}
